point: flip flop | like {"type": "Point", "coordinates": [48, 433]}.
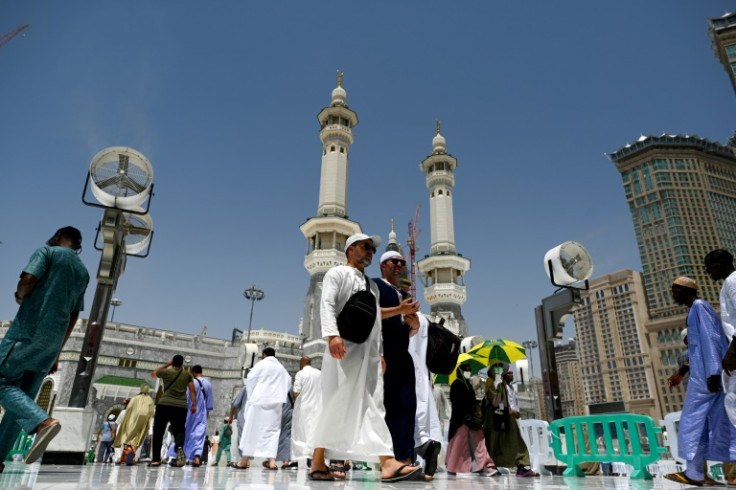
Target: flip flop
{"type": "Point", "coordinates": [320, 475]}
{"type": "Point", "coordinates": [238, 467]}
{"type": "Point", "coordinates": [681, 477]}
{"type": "Point", "coordinates": [275, 468]}
{"type": "Point", "coordinates": [43, 438]}
{"type": "Point", "coordinates": [415, 475]}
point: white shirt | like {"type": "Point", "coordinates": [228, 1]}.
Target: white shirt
{"type": "Point", "coordinates": [728, 306]}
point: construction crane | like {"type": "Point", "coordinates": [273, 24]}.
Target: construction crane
{"type": "Point", "coordinates": [411, 241]}
{"type": "Point", "coordinates": [7, 37]}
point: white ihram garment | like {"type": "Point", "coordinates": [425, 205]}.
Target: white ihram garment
{"type": "Point", "coordinates": [351, 423]}
{"type": "Point", "coordinates": [728, 322]}
{"type": "Point", "coordinates": [306, 411]}
{"type": "Point", "coordinates": [268, 384]}
{"type": "Point", "coordinates": [426, 422]}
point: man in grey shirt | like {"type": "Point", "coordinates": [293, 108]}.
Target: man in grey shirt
{"type": "Point", "coordinates": [238, 407]}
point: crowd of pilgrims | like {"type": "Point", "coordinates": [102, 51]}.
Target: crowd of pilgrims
{"type": "Point", "coordinates": [372, 402]}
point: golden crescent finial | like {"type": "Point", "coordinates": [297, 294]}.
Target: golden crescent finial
{"type": "Point", "coordinates": [339, 78]}
{"type": "Point", "coordinates": [437, 121]}
{"type": "Point", "coordinates": [392, 225]}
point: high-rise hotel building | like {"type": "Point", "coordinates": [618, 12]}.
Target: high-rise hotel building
{"type": "Point", "coordinates": [681, 192]}
{"type": "Point", "coordinates": [612, 349]}
{"type": "Point", "coordinates": [723, 33]}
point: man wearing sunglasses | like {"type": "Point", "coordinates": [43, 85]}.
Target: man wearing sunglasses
{"type": "Point", "coordinates": [351, 424]}
{"type": "Point", "coordinates": [398, 313]}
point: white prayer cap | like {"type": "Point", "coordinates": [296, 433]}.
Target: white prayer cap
{"type": "Point", "coordinates": [683, 334]}
{"type": "Point", "coordinates": [111, 417]}
{"type": "Point", "coordinates": [390, 255]}
{"type": "Point", "coordinates": [360, 237]}
{"type": "Point", "coordinates": [686, 282]}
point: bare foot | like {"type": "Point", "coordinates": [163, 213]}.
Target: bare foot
{"type": "Point", "coordinates": [391, 466]}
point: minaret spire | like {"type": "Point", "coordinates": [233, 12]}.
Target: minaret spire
{"type": "Point", "coordinates": [443, 270]}
{"type": "Point", "coordinates": [328, 230]}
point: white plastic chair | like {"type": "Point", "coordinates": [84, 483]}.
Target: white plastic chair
{"type": "Point", "coordinates": [537, 437]}
{"type": "Point", "coordinates": [670, 423]}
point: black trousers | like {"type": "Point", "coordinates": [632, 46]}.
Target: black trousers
{"type": "Point", "coordinates": [401, 406]}
{"type": "Point", "coordinates": [165, 414]}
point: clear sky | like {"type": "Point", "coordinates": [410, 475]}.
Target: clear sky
{"type": "Point", "coordinates": [222, 98]}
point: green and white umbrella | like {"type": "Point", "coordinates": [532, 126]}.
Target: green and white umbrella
{"type": "Point", "coordinates": [476, 364]}
{"type": "Point", "coordinates": [499, 350]}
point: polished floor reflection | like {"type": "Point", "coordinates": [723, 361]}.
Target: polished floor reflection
{"type": "Point", "coordinates": [18, 475]}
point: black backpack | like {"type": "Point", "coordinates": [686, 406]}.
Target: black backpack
{"type": "Point", "coordinates": [443, 348]}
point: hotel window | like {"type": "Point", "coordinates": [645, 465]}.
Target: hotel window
{"type": "Point", "coordinates": [731, 51]}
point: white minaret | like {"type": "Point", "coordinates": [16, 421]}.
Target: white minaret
{"type": "Point", "coordinates": [443, 270]}
{"type": "Point", "coordinates": [327, 232]}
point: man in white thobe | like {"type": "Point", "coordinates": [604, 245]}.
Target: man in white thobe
{"type": "Point", "coordinates": [427, 428]}
{"type": "Point", "coordinates": [268, 385]}
{"type": "Point", "coordinates": [308, 393]}
{"type": "Point", "coordinates": [351, 423]}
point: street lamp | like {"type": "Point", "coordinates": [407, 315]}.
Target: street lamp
{"type": "Point", "coordinates": [253, 295]}
{"type": "Point", "coordinates": [115, 303]}
{"type": "Point", "coordinates": [529, 345]}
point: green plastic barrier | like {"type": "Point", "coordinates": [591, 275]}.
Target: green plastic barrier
{"type": "Point", "coordinates": [21, 446]}
{"type": "Point", "coordinates": [582, 447]}
{"type": "Point", "coordinates": [717, 471]}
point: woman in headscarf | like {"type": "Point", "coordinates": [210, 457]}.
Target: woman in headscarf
{"type": "Point", "coordinates": [134, 428]}
{"type": "Point", "coordinates": [503, 438]}
{"type": "Point", "coordinates": [466, 450]}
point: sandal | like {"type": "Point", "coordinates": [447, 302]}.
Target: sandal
{"type": "Point", "coordinates": [336, 468]}
{"type": "Point", "coordinates": [415, 475]}
{"type": "Point", "coordinates": [320, 475]}
{"type": "Point", "coordinates": [681, 477]}
{"type": "Point", "coordinates": [238, 467]}
{"type": "Point", "coordinates": [154, 464]}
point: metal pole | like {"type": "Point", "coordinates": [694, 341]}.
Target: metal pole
{"type": "Point", "coordinates": [253, 294]}
{"type": "Point", "coordinates": [250, 323]}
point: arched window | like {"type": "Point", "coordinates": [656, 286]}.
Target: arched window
{"type": "Point", "coordinates": [439, 192]}
{"type": "Point", "coordinates": [332, 148]}
{"type": "Point", "coordinates": [342, 150]}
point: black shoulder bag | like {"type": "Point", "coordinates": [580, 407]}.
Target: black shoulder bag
{"type": "Point", "coordinates": [355, 321]}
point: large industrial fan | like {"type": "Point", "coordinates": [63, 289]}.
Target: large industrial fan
{"type": "Point", "coordinates": [567, 264]}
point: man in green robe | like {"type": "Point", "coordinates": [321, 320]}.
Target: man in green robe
{"type": "Point", "coordinates": [51, 295]}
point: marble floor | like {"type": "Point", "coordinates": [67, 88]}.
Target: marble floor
{"type": "Point", "coordinates": [36, 476]}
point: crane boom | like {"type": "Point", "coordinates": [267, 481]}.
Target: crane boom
{"type": "Point", "coordinates": [411, 241]}
{"type": "Point", "coordinates": [10, 35]}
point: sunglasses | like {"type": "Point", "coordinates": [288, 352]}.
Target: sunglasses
{"type": "Point", "coordinates": [396, 261]}
{"type": "Point", "coordinates": [367, 247]}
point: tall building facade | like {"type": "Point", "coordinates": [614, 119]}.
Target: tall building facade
{"type": "Point", "coordinates": [569, 375]}
{"type": "Point", "coordinates": [723, 33]}
{"type": "Point", "coordinates": [329, 229]}
{"type": "Point", "coordinates": [681, 192]}
{"type": "Point", "coordinates": [612, 349]}
{"type": "Point", "coordinates": [443, 269]}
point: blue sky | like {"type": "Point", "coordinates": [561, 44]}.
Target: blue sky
{"type": "Point", "coordinates": [222, 98]}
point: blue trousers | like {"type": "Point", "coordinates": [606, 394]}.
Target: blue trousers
{"type": "Point", "coordinates": [17, 397]}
